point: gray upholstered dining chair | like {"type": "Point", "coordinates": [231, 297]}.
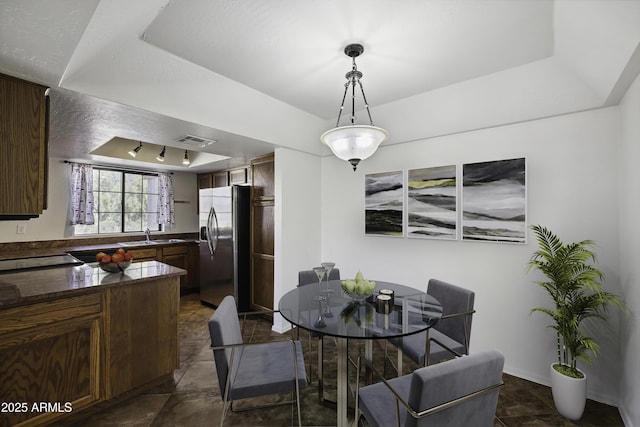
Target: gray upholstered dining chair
{"type": "Point", "coordinates": [253, 369]}
{"type": "Point", "coordinates": [450, 336]}
{"type": "Point", "coordinates": [309, 277]}
{"type": "Point", "coordinates": [462, 392]}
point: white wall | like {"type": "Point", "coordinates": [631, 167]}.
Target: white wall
{"type": "Point", "coordinates": [629, 253]}
{"type": "Point", "coordinates": [297, 220]}
{"type": "Point", "coordinates": [53, 224]}
{"type": "Point", "coordinates": [572, 181]}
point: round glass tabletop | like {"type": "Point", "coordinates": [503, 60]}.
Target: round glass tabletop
{"type": "Point", "coordinates": [337, 314]}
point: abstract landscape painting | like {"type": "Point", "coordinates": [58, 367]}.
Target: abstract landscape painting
{"type": "Point", "coordinates": [431, 203]}
{"type": "Point", "coordinates": [384, 207]}
{"type": "Point", "coordinates": [494, 201]}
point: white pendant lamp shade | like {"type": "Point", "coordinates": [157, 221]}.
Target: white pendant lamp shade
{"type": "Point", "coordinates": [354, 143]}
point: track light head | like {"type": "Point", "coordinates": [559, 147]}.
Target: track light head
{"type": "Point", "coordinates": [160, 156]}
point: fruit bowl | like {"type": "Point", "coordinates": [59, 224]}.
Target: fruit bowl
{"type": "Point", "coordinates": [116, 262]}
{"type": "Point", "coordinates": [359, 298]}
{"type": "Point", "coordinates": [358, 289]}
{"type": "Point", "coordinates": [115, 267]}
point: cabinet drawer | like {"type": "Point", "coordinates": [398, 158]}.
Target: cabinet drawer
{"type": "Point", "coordinates": [45, 313]}
{"type": "Point", "coordinates": [175, 250]}
{"type": "Point", "coordinates": [143, 254]}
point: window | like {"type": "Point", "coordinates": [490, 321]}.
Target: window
{"type": "Point", "coordinates": [123, 202]}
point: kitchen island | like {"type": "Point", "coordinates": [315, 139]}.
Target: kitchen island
{"type": "Point", "coordinates": [74, 336]}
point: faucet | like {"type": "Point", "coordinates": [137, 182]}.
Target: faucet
{"type": "Point", "coordinates": [148, 233]}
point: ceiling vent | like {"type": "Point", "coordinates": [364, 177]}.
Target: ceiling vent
{"type": "Point", "coordinates": [196, 141]}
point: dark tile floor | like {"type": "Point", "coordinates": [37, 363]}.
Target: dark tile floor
{"type": "Point", "coordinates": [193, 399]}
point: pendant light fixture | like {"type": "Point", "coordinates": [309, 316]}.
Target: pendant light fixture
{"type": "Point", "coordinates": [185, 160]}
{"type": "Point", "coordinates": [134, 152]}
{"type": "Point", "coordinates": [353, 142]}
{"type": "Point", "coordinates": [160, 156]}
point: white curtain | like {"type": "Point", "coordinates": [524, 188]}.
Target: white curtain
{"type": "Point", "coordinates": [166, 214]}
{"type": "Point", "coordinates": [81, 194]}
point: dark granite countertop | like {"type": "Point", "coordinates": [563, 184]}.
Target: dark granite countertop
{"type": "Point", "coordinates": [26, 287]}
{"type": "Point", "coordinates": [82, 246]}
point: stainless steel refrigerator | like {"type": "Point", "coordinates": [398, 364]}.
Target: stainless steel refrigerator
{"type": "Point", "coordinates": [224, 215]}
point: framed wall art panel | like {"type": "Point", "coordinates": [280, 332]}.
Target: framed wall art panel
{"type": "Point", "coordinates": [494, 201]}
{"type": "Point", "coordinates": [384, 204]}
{"type": "Point", "coordinates": [432, 203]}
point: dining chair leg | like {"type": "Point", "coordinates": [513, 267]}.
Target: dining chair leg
{"type": "Point", "coordinates": [399, 362]}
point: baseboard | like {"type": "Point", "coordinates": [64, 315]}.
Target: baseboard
{"type": "Point", "coordinates": [626, 419]}
{"type": "Point", "coordinates": [602, 398]}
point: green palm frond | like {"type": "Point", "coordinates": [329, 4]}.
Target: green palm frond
{"type": "Point", "coordinates": [574, 286]}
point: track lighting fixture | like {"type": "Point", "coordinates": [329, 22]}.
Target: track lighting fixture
{"type": "Point", "coordinates": [134, 152]}
{"type": "Point", "coordinates": [160, 156]}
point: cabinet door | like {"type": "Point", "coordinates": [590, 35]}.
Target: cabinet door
{"type": "Point", "coordinates": [180, 256]}
{"type": "Point", "coordinates": [22, 147]}
{"type": "Point", "coordinates": [50, 352]}
{"type": "Point", "coordinates": [262, 233]}
{"type": "Point", "coordinates": [238, 176]}
{"type": "Point", "coordinates": [146, 254]}
{"type": "Point", "coordinates": [205, 180]}
{"type": "Point", "coordinates": [142, 342]}
{"type": "Point", "coordinates": [180, 261]}
{"type": "Point", "coordinates": [221, 179]}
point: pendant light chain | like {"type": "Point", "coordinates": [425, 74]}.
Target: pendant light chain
{"type": "Point", "coordinates": [354, 142]}
{"type": "Point", "coordinates": [353, 78]}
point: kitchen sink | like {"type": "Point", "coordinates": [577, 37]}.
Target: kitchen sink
{"type": "Point", "coordinates": [150, 242]}
{"type": "Point", "coordinates": [168, 241]}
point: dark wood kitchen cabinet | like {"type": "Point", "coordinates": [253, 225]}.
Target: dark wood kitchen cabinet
{"type": "Point", "coordinates": [51, 352]}
{"type": "Point", "coordinates": [238, 176]}
{"type": "Point", "coordinates": [205, 180]}
{"type": "Point", "coordinates": [220, 178]}
{"type": "Point", "coordinates": [142, 324]}
{"type": "Point", "coordinates": [71, 344]}
{"type": "Point", "coordinates": [262, 232]}
{"type": "Point", "coordinates": [223, 178]}
{"type": "Point", "coordinates": [23, 148]}
{"type": "Point", "coordinates": [144, 254]}
{"type": "Point", "coordinates": [185, 257]}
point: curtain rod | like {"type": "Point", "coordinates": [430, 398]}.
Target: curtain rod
{"type": "Point", "coordinates": [116, 167]}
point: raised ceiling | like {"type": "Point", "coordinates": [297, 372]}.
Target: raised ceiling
{"type": "Point", "coordinates": [293, 50]}
{"type": "Point", "coordinates": [260, 74]}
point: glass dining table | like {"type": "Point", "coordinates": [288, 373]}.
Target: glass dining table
{"type": "Point", "coordinates": [334, 313]}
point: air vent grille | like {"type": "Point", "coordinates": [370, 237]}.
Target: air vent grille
{"type": "Point", "coordinates": [196, 140]}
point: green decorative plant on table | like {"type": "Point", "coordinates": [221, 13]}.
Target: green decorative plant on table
{"type": "Point", "coordinates": [575, 288]}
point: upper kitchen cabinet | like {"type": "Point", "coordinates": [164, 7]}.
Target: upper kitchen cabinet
{"type": "Point", "coordinates": [220, 178]}
{"type": "Point", "coordinates": [223, 178]}
{"type": "Point", "coordinates": [213, 179]}
{"type": "Point", "coordinates": [23, 148]}
{"type": "Point", "coordinates": [238, 176]}
{"type": "Point", "coordinates": [204, 180]}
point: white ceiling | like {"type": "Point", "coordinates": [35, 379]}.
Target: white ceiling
{"type": "Point", "coordinates": [292, 50]}
{"type": "Point", "coordinates": [258, 74]}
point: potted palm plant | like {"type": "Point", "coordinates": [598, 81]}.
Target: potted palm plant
{"type": "Point", "coordinates": [574, 286]}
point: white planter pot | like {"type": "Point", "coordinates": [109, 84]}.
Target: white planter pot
{"type": "Point", "coordinates": [569, 394]}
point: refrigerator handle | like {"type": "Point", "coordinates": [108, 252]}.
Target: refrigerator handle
{"type": "Point", "coordinates": [214, 232]}
{"type": "Point", "coordinates": [208, 228]}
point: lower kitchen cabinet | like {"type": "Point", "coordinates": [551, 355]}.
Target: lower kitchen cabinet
{"type": "Point", "coordinates": [135, 356]}
{"type": "Point", "coordinates": [50, 354]}
{"type": "Point", "coordinates": [185, 256]}
{"type": "Point", "coordinates": [182, 256]}
{"type": "Point", "coordinates": [60, 355]}
{"type": "Point", "coordinates": [145, 254]}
